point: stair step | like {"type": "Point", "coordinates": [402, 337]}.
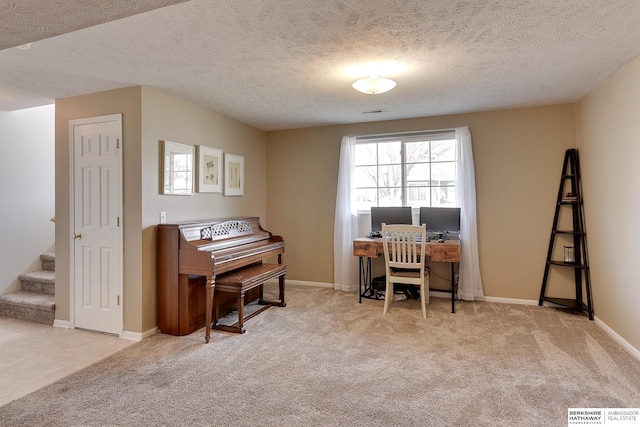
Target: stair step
{"type": "Point", "coordinates": [36, 301]}
{"type": "Point", "coordinates": [42, 281]}
{"type": "Point", "coordinates": [48, 261]}
{"type": "Point", "coordinates": [30, 306]}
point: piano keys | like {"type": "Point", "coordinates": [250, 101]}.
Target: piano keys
{"type": "Point", "coordinates": [192, 254]}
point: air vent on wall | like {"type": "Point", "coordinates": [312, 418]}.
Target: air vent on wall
{"type": "Point", "coordinates": [372, 112]}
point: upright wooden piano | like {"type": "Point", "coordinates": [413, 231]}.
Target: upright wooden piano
{"type": "Point", "coordinates": [190, 257]}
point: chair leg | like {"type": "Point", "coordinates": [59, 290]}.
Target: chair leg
{"type": "Point", "coordinates": [426, 288]}
{"type": "Point", "coordinates": [388, 296]}
{"type": "Point", "coordinates": [423, 299]}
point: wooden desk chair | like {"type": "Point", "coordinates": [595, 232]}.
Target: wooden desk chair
{"type": "Point", "coordinates": [404, 260]}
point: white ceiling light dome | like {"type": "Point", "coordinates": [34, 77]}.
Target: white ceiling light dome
{"type": "Point", "coordinates": [374, 85]}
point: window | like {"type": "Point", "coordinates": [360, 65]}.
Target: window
{"type": "Point", "coordinates": [406, 170]}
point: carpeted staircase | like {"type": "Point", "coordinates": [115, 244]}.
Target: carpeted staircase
{"type": "Point", "coordinates": [35, 302]}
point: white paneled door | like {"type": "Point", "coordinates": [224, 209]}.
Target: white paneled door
{"type": "Point", "coordinates": [97, 223]}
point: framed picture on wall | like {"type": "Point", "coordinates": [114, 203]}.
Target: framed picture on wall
{"type": "Point", "coordinates": [209, 169]}
{"type": "Point", "coordinates": [177, 169]}
{"type": "Point", "coordinates": [233, 175]}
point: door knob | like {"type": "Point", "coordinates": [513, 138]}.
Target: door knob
{"type": "Point", "coordinates": [77, 236]}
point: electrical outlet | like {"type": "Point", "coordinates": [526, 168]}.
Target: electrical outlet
{"type": "Point", "coordinates": [163, 217]}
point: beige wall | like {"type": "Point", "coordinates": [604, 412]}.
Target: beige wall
{"type": "Point", "coordinates": [127, 102]}
{"type": "Point", "coordinates": [518, 158]}
{"type": "Point", "coordinates": [150, 116]}
{"type": "Point", "coordinates": [168, 118]}
{"type": "Point", "coordinates": [27, 191]}
{"type": "Point", "coordinates": [608, 135]}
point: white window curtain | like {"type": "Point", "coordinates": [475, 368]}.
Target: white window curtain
{"type": "Point", "coordinates": [469, 279]}
{"type": "Point", "coordinates": [345, 265]}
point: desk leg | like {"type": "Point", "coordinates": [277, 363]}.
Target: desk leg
{"type": "Point", "coordinates": [364, 277]}
{"type": "Point", "coordinates": [359, 280]}
{"type": "Point", "coordinates": [453, 288]}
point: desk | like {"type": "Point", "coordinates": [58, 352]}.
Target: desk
{"type": "Point", "coordinates": [365, 247]}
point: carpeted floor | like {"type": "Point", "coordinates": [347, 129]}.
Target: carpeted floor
{"type": "Point", "coordinates": [325, 360]}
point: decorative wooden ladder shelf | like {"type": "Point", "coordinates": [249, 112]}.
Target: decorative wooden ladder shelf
{"type": "Point", "coordinates": [575, 257]}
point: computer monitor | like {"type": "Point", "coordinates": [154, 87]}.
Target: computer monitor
{"type": "Point", "coordinates": [440, 220]}
{"type": "Point", "coordinates": [389, 215]}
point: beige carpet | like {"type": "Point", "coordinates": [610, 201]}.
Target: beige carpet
{"type": "Point", "coordinates": [325, 360]}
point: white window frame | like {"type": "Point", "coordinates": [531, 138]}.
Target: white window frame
{"type": "Point", "coordinates": [404, 138]}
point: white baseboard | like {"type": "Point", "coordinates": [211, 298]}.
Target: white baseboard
{"type": "Point", "coordinates": [304, 283]}
{"type": "Point", "coordinates": [138, 336]}
{"type": "Point", "coordinates": [438, 294]}
{"type": "Point", "coordinates": [508, 300]}
{"type": "Point", "coordinates": [127, 335]}
{"type": "Point", "coordinates": [61, 324]}
{"type": "Point", "coordinates": [624, 343]}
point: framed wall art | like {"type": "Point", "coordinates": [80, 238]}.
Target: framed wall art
{"type": "Point", "coordinates": [209, 169]}
{"type": "Point", "coordinates": [233, 175]}
{"type": "Point", "coordinates": [177, 169]}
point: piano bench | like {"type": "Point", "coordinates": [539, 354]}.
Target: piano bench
{"type": "Point", "coordinates": [241, 280]}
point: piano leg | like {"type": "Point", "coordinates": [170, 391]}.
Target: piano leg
{"type": "Point", "coordinates": [281, 286]}
{"type": "Point", "coordinates": [210, 290]}
{"type": "Point", "coordinates": [241, 312]}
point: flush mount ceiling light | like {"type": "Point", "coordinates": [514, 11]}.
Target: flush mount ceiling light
{"type": "Point", "coordinates": [24, 46]}
{"type": "Point", "coordinates": [374, 85]}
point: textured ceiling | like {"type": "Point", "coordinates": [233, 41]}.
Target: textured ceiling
{"type": "Point", "coordinates": [27, 21]}
{"type": "Point", "coordinates": [279, 64]}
